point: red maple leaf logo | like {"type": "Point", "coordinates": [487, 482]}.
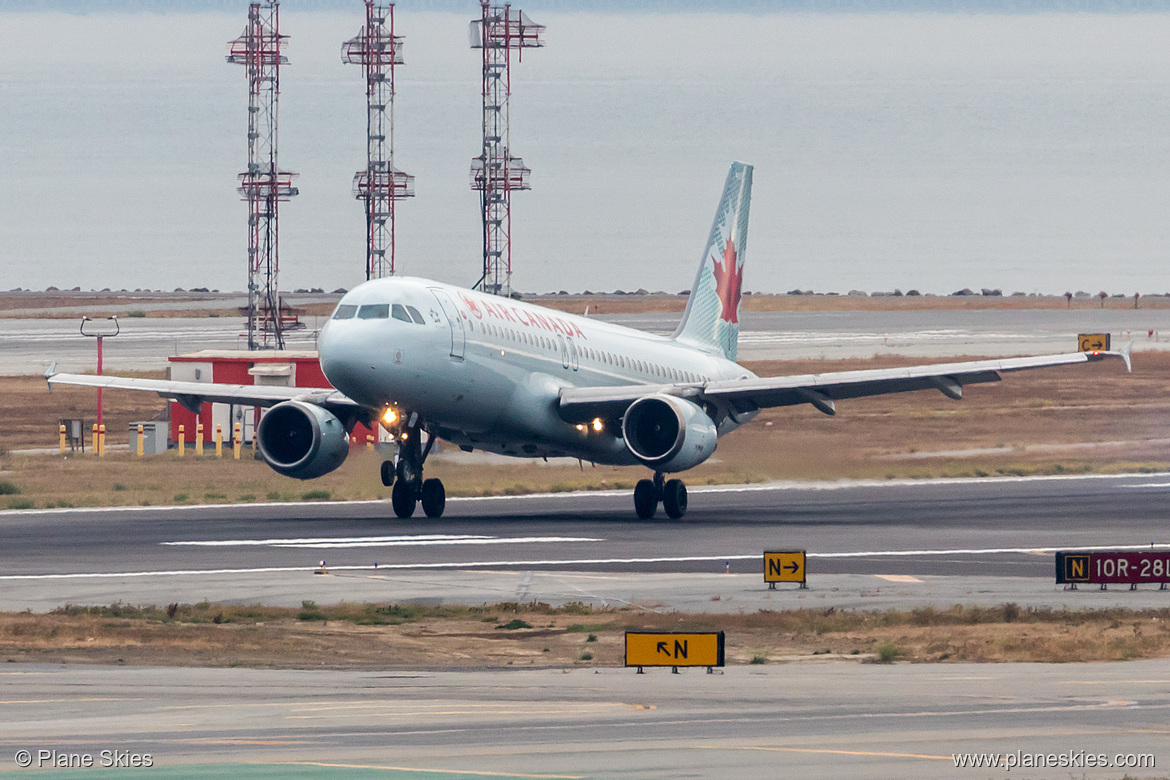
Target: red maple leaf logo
{"type": "Point", "coordinates": [728, 283]}
{"type": "Point", "coordinates": [472, 306]}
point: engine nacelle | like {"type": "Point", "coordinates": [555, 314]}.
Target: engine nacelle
{"type": "Point", "coordinates": [301, 440]}
{"type": "Point", "coordinates": [668, 433]}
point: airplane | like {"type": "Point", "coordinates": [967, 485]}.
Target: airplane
{"type": "Point", "coordinates": [431, 361]}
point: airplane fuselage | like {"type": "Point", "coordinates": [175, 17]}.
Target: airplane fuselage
{"type": "Point", "coordinates": [485, 371]}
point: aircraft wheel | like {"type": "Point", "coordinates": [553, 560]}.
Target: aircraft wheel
{"type": "Point", "coordinates": [402, 499]}
{"type": "Point", "coordinates": [388, 473]}
{"type": "Point", "coordinates": [645, 502]}
{"type": "Point", "coordinates": [434, 498]}
{"type": "Point", "coordinates": [674, 498]}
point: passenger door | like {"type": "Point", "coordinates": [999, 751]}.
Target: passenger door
{"type": "Point", "coordinates": [454, 319]}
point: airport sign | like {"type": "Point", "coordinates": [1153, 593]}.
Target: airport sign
{"type": "Point", "coordinates": [1093, 342]}
{"type": "Point", "coordinates": [1110, 567]}
{"type": "Point", "coordinates": [784, 566]}
{"type": "Point", "coordinates": [671, 648]}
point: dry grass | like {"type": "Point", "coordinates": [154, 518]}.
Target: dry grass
{"type": "Point", "coordinates": [1093, 418]}
{"type": "Point", "coordinates": [397, 636]}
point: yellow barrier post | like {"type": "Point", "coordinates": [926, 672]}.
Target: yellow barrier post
{"type": "Point", "coordinates": [182, 441]}
{"type": "Point", "coordinates": [218, 440]}
{"type": "Point", "coordinates": [141, 447]}
{"type": "Point", "coordinates": [198, 439]}
{"type": "Point", "coordinates": [369, 441]}
{"type": "Point", "coordinates": [236, 436]}
{"type": "Point", "coordinates": [62, 431]}
{"type": "Point", "coordinates": [102, 440]}
{"type": "Point", "coordinates": [95, 440]}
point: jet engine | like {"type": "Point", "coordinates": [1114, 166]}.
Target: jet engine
{"type": "Point", "coordinates": [302, 440]}
{"type": "Point", "coordinates": [668, 434]}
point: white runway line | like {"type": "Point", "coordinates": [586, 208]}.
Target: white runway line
{"type": "Point", "coordinates": [420, 538]}
{"type": "Point", "coordinates": [382, 541]}
{"type": "Point", "coordinates": [577, 562]}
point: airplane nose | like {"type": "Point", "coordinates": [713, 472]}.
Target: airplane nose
{"type": "Point", "coordinates": [332, 355]}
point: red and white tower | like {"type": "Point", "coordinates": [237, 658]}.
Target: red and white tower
{"type": "Point", "coordinates": [264, 185]}
{"type": "Point", "coordinates": [496, 173]}
{"type": "Point", "coordinates": [377, 49]}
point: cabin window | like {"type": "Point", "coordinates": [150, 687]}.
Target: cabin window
{"type": "Point", "coordinates": [345, 312]}
{"type": "Point", "coordinates": [414, 315]}
{"type": "Point", "coordinates": [398, 312]}
{"type": "Point", "coordinates": [374, 311]}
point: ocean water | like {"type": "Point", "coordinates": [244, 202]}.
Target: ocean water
{"type": "Point", "coordinates": [1028, 152]}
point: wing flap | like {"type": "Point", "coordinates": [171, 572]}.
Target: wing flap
{"type": "Point", "coordinates": [585, 403]}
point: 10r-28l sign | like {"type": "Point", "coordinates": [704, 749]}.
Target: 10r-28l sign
{"type": "Point", "coordinates": [1113, 567]}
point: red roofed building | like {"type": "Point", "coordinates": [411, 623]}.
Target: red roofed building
{"type": "Point", "coordinates": [285, 368]}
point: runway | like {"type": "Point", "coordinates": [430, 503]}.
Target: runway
{"type": "Point", "coordinates": [941, 532]}
{"type": "Point", "coordinates": [873, 545]}
{"type": "Point", "coordinates": [810, 721]}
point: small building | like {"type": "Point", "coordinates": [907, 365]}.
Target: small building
{"type": "Point", "coordinates": [283, 368]}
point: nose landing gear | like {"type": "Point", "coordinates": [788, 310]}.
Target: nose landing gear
{"type": "Point", "coordinates": [410, 488]}
{"type": "Point", "coordinates": [671, 492]}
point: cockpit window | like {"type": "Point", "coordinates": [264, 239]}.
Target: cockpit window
{"type": "Point", "coordinates": [398, 312]}
{"type": "Point", "coordinates": [345, 312]}
{"type": "Point", "coordinates": [374, 311]}
{"type": "Point", "coordinates": [415, 315]}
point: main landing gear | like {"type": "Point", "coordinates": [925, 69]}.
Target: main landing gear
{"type": "Point", "coordinates": [410, 488]}
{"type": "Point", "coordinates": [671, 492]}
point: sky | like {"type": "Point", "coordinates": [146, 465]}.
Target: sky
{"type": "Point", "coordinates": [932, 151]}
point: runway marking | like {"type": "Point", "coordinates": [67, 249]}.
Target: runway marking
{"type": "Point", "coordinates": [385, 768]}
{"type": "Point", "coordinates": [897, 578]}
{"type": "Point", "coordinates": [1114, 682]}
{"type": "Point", "coordinates": [324, 540]}
{"type": "Point", "coordinates": [828, 751]}
{"type": "Point", "coordinates": [520, 710]}
{"type": "Point", "coordinates": [57, 701]}
{"type": "Point", "coordinates": [623, 494]}
{"type": "Point", "coordinates": [194, 741]}
{"type": "Point", "coordinates": [381, 541]}
{"type": "Point", "coordinates": [560, 562]}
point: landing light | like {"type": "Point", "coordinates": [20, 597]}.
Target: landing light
{"type": "Point", "coordinates": [598, 424]}
{"type": "Point", "coordinates": [405, 435]}
{"type": "Point", "coordinates": [390, 416]}
{"type": "Point", "coordinates": [581, 428]}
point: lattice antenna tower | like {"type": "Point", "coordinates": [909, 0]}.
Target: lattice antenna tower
{"type": "Point", "coordinates": [496, 173]}
{"type": "Point", "coordinates": [264, 185]}
{"type": "Point", "coordinates": [377, 49]}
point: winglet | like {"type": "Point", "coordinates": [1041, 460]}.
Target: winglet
{"type": "Point", "coordinates": [49, 372]}
{"type": "Point", "coordinates": [1124, 352]}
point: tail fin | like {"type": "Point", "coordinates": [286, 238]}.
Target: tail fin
{"type": "Point", "coordinates": [711, 319]}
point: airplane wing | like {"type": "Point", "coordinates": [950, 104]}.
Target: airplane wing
{"type": "Point", "coordinates": [581, 404]}
{"type": "Point", "coordinates": [193, 394]}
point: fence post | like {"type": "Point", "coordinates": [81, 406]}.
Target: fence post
{"type": "Point", "coordinates": [182, 441]}
{"type": "Point", "coordinates": [62, 431]}
{"type": "Point", "coordinates": [102, 440]}
{"type": "Point", "coordinates": [198, 439]}
{"type": "Point", "coordinates": [141, 445]}
{"type": "Point", "coordinates": [218, 440]}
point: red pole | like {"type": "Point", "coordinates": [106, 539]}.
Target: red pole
{"type": "Point", "coordinates": [99, 373]}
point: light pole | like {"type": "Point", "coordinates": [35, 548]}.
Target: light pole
{"type": "Point", "coordinates": [100, 329]}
